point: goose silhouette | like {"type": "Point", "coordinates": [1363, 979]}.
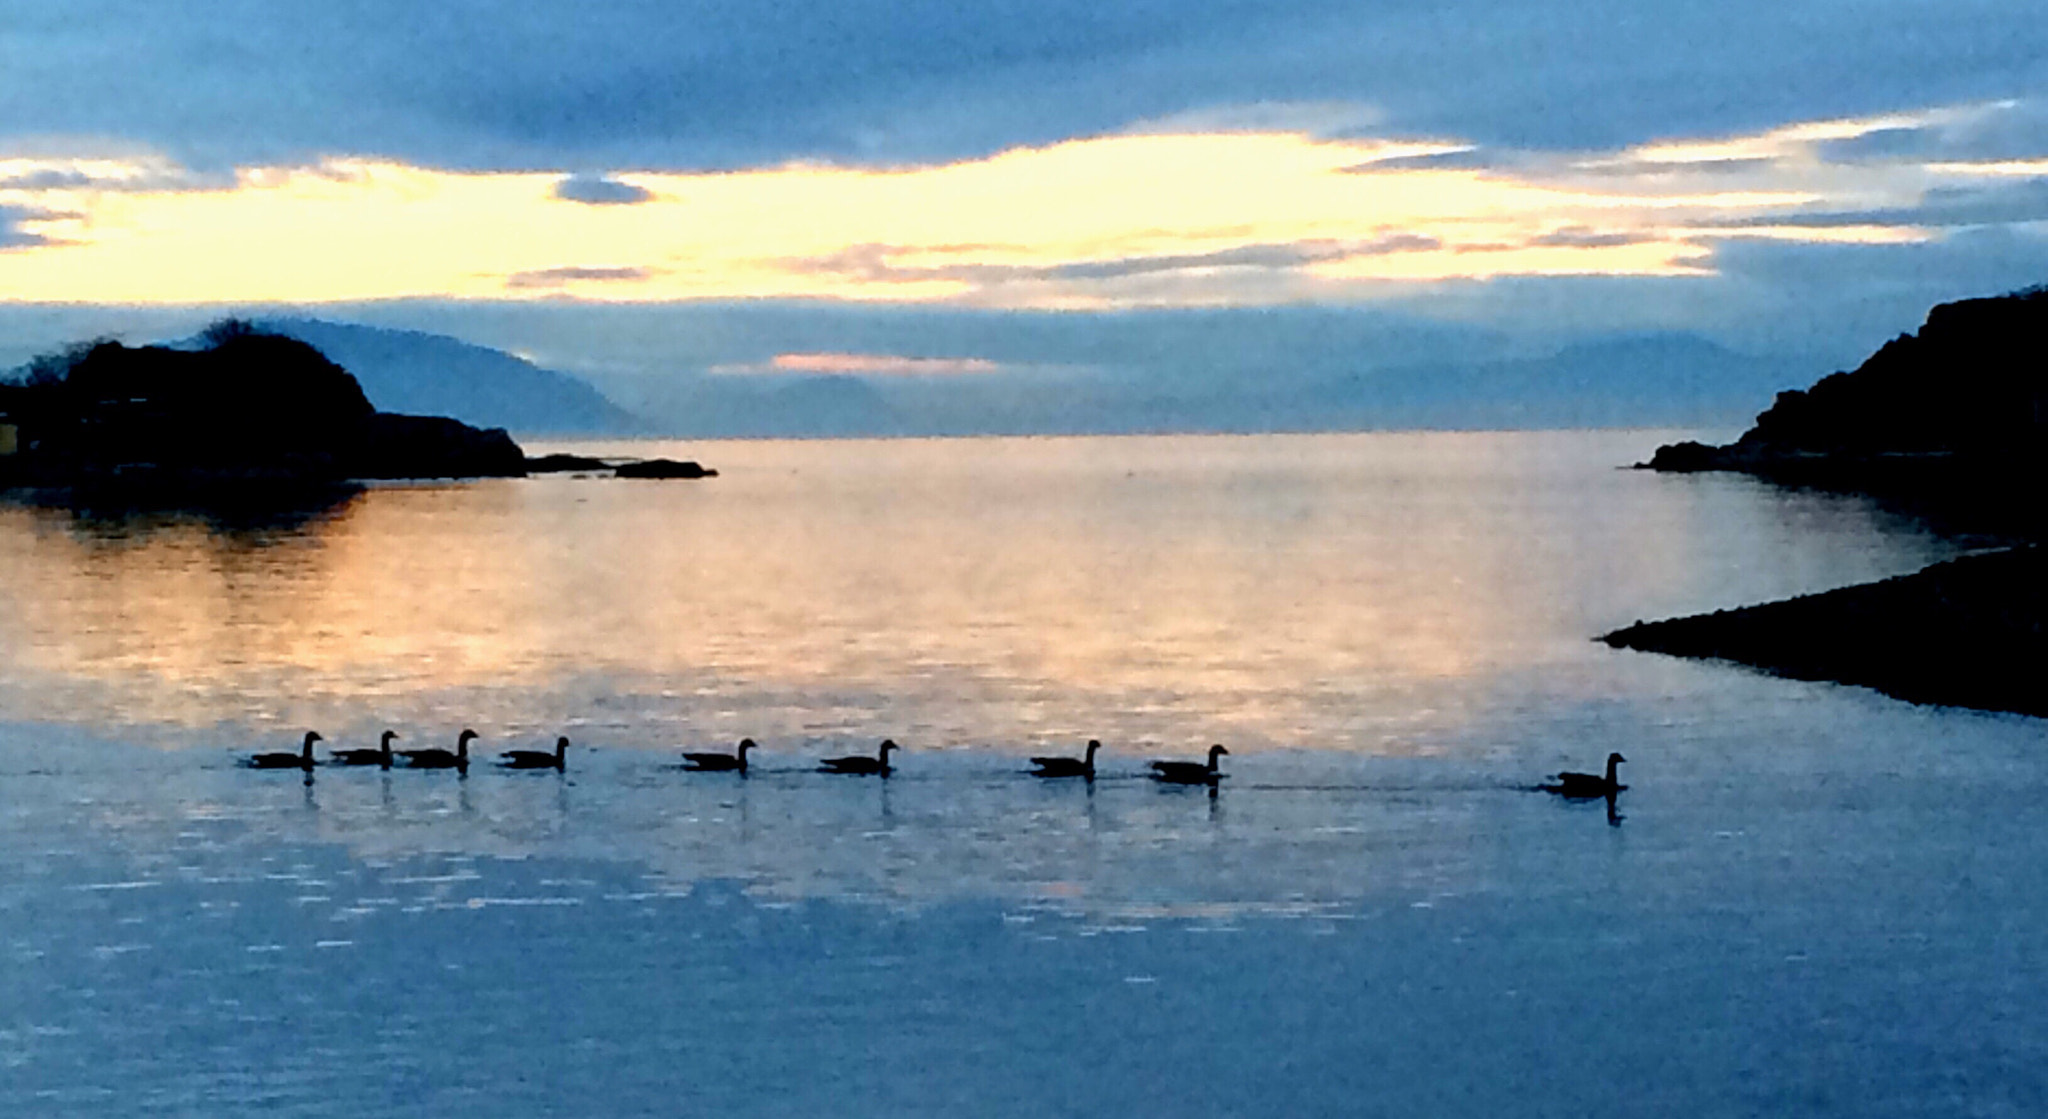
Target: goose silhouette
{"type": "Point", "coordinates": [557, 759]}
{"type": "Point", "coordinates": [1190, 773]}
{"type": "Point", "coordinates": [1586, 786]}
{"type": "Point", "coordinates": [437, 758]}
{"type": "Point", "coordinates": [864, 766]}
{"type": "Point", "coordinates": [1083, 766]}
{"type": "Point", "coordinates": [380, 756]}
{"type": "Point", "coordinates": [733, 762]}
{"type": "Point", "coordinates": [280, 759]}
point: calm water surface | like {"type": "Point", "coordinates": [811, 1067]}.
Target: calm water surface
{"type": "Point", "coordinates": [1818, 901]}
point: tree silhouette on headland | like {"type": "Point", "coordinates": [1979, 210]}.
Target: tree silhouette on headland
{"type": "Point", "coordinates": [245, 405]}
{"type": "Point", "coordinates": [1947, 423]}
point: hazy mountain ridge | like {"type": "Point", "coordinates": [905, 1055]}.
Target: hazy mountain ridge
{"type": "Point", "coordinates": [418, 373]}
{"type": "Point", "coordinates": [1645, 380]}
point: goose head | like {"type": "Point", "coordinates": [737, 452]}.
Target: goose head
{"type": "Point", "coordinates": [888, 744]}
{"type": "Point", "coordinates": [746, 744]}
{"type": "Point", "coordinates": [561, 746]}
{"type": "Point", "coordinates": [1093, 745]}
{"type": "Point", "coordinates": [1215, 752]}
{"type": "Point", "coordinates": [312, 736]}
{"type": "Point", "coordinates": [462, 741]}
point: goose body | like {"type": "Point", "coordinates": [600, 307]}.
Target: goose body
{"type": "Point", "coordinates": [1588, 785]}
{"type": "Point", "coordinates": [1189, 773]}
{"type": "Point", "coordinates": [380, 756]}
{"type": "Point", "coordinates": [437, 758]}
{"type": "Point", "coordinates": [280, 759]}
{"type": "Point", "coordinates": [875, 766]}
{"type": "Point", "coordinates": [735, 762]}
{"type": "Point", "coordinates": [558, 758]}
{"type": "Point", "coordinates": [1068, 767]}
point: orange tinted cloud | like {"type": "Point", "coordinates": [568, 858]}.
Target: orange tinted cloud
{"type": "Point", "coordinates": [1144, 218]}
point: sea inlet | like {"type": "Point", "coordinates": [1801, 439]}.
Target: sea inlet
{"type": "Point", "coordinates": [1812, 899]}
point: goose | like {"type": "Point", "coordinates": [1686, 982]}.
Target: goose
{"type": "Point", "coordinates": [877, 765]}
{"type": "Point", "coordinates": [734, 762]}
{"type": "Point", "coordinates": [437, 758]}
{"type": "Point", "coordinates": [1587, 785]}
{"type": "Point", "coordinates": [1189, 773]}
{"type": "Point", "coordinates": [280, 759]}
{"type": "Point", "coordinates": [1068, 767]}
{"type": "Point", "coordinates": [365, 756]}
{"type": "Point", "coordinates": [538, 759]}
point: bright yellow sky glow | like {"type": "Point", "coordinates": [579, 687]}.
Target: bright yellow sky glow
{"type": "Point", "coordinates": [1117, 220]}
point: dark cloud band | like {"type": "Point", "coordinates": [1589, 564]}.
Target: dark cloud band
{"type": "Point", "coordinates": [710, 84]}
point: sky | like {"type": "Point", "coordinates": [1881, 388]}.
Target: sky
{"type": "Point", "coordinates": [1792, 177]}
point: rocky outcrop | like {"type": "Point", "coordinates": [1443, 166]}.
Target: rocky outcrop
{"type": "Point", "coordinates": [1964, 633]}
{"type": "Point", "coordinates": [560, 463]}
{"type": "Point", "coordinates": [1945, 424]}
{"type": "Point", "coordinates": [394, 446]}
{"type": "Point", "coordinates": [624, 468]}
{"type": "Point", "coordinates": [1948, 422]}
{"type": "Point", "coordinates": [662, 468]}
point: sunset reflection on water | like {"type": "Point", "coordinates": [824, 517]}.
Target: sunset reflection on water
{"type": "Point", "coordinates": [1349, 592]}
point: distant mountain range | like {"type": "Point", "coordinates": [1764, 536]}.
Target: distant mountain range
{"type": "Point", "coordinates": [434, 375]}
{"type": "Point", "coordinates": [1648, 380]}
{"type": "Point", "coordinates": [1662, 380]}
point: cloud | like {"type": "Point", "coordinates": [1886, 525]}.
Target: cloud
{"type": "Point", "coordinates": [545, 278]}
{"type": "Point", "coordinates": [1993, 203]}
{"type": "Point", "coordinates": [598, 190]}
{"type": "Point", "coordinates": [878, 262]}
{"type": "Point", "coordinates": [708, 84]}
{"type": "Point", "coordinates": [864, 365]}
{"type": "Point", "coordinates": [1586, 237]}
{"type": "Point", "coordinates": [2002, 130]}
{"type": "Point", "coordinates": [13, 236]}
{"type": "Point", "coordinates": [76, 169]}
{"type": "Point", "coordinates": [1459, 159]}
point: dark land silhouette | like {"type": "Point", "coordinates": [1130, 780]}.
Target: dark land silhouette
{"type": "Point", "coordinates": [244, 428]}
{"type": "Point", "coordinates": [1965, 633]}
{"type": "Point", "coordinates": [1945, 424]}
{"type": "Point", "coordinates": [247, 407]}
{"type": "Point", "coordinates": [560, 463]}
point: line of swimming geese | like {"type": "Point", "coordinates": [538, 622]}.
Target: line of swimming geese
{"type": "Point", "coordinates": [1168, 772]}
{"type": "Point", "coordinates": [1571, 786]}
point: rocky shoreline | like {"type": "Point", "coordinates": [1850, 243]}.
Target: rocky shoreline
{"type": "Point", "coordinates": [618, 468]}
{"type": "Point", "coordinates": [1946, 425]}
{"type": "Point", "coordinates": [1965, 633]}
